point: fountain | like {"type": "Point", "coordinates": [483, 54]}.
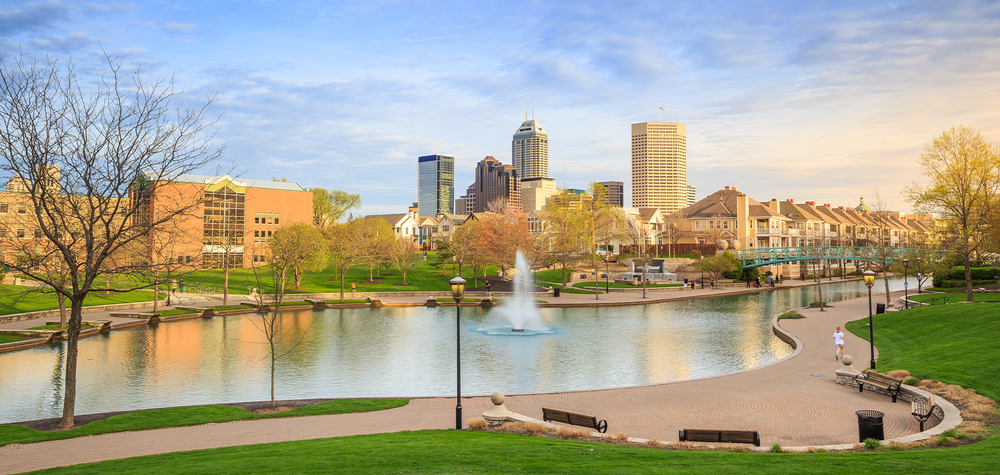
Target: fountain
{"type": "Point", "coordinates": [520, 310]}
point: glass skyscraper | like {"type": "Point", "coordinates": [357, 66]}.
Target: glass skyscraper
{"type": "Point", "coordinates": [435, 185]}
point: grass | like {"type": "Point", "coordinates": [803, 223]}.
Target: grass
{"type": "Point", "coordinates": [221, 308]}
{"type": "Point", "coordinates": [553, 275]}
{"type": "Point", "coordinates": [175, 312]}
{"type": "Point", "coordinates": [187, 416]}
{"type": "Point", "coordinates": [20, 299]}
{"type": "Point", "coordinates": [487, 452]}
{"type": "Point", "coordinates": [574, 290]}
{"type": "Point", "coordinates": [335, 302]}
{"type": "Point", "coordinates": [955, 344]}
{"type": "Point", "coordinates": [956, 298]}
{"type": "Point", "coordinates": [451, 300]}
{"type": "Point", "coordinates": [8, 338]}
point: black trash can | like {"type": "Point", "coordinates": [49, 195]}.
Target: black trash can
{"type": "Point", "coordinates": [555, 291]}
{"type": "Point", "coordinates": [879, 308]}
{"type": "Point", "coordinates": [870, 425]}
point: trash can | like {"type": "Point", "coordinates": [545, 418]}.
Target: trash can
{"type": "Point", "coordinates": [870, 425]}
{"type": "Point", "coordinates": [879, 308]}
{"type": "Point", "coordinates": [555, 291]}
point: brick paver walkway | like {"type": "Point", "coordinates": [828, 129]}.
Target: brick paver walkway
{"type": "Point", "coordinates": [793, 402]}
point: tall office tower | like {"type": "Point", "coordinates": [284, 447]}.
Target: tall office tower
{"type": "Point", "coordinates": [614, 193]}
{"type": "Point", "coordinates": [659, 166]}
{"type": "Point", "coordinates": [690, 195]}
{"type": "Point", "coordinates": [435, 185]}
{"type": "Point", "coordinates": [536, 193]}
{"type": "Point", "coordinates": [496, 181]}
{"type": "Point", "coordinates": [530, 149]}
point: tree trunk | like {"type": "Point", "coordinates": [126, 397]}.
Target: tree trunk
{"type": "Point", "coordinates": [62, 311]}
{"type": "Point", "coordinates": [343, 277]}
{"type": "Point", "coordinates": [225, 285]}
{"type": "Point", "coordinates": [968, 279]}
{"type": "Point", "coordinates": [72, 348]}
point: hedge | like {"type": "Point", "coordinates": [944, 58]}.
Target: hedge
{"type": "Point", "coordinates": [978, 273]}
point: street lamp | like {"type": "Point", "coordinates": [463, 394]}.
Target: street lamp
{"type": "Point", "coordinates": [869, 282]}
{"type": "Point", "coordinates": [906, 285]}
{"type": "Point", "coordinates": [703, 272]}
{"type": "Point", "coordinates": [457, 289]}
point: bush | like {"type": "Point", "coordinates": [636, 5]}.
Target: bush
{"type": "Point", "coordinates": [776, 448]}
{"type": "Point", "coordinates": [872, 444]}
{"type": "Point", "coordinates": [790, 315]}
{"type": "Point", "coordinates": [978, 273]}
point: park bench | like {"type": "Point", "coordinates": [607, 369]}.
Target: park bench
{"type": "Point", "coordinates": [573, 418]}
{"type": "Point", "coordinates": [727, 436]}
{"type": "Point", "coordinates": [881, 381]}
{"type": "Point", "coordinates": [923, 410]}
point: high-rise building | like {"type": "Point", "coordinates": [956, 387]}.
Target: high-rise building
{"type": "Point", "coordinates": [435, 185]}
{"type": "Point", "coordinates": [530, 150]}
{"type": "Point", "coordinates": [690, 195]}
{"type": "Point", "coordinates": [536, 193]}
{"type": "Point", "coordinates": [496, 182]}
{"type": "Point", "coordinates": [614, 192]}
{"type": "Point", "coordinates": [467, 203]}
{"type": "Point", "coordinates": [659, 166]}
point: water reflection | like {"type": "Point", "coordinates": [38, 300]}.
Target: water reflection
{"type": "Point", "coordinates": [404, 352]}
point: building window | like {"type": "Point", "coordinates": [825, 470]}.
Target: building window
{"type": "Point", "coordinates": [270, 218]}
{"type": "Point", "coordinates": [3, 234]}
{"type": "Point", "coordinates": [276, 215]}
{"type": "Point", "coordinates": [38, 233]}
{"type": "Point", "coordinates": [4, 208]}
{"type": "Point", "coordinates": [256, 217]}
{"type": "Point", "coordinates": [22, 208]}
{"type": "Point", "coordinates": [21, 233]}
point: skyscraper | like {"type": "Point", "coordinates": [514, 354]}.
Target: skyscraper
{"type": "Point", "coordinates": [496, 182]}
{"type": "Point", "coordinates": [659, 166]}
{"type": "Point", "coordinates": [530, 150]}
{"type": "Point", "coordinates": [435, 185]}
{"type": "Point", "coordinates": [614, 193]}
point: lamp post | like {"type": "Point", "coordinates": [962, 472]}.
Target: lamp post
{"type": "Point", "coordinates": [906, 285]}
{"type": "Point", "coordinates": [703, 272]}
{"type": "Point", "coordinates": [869, 282]}
{"type": "Point", "coordinates": [457, 290]}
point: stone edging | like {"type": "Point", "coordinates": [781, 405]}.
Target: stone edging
{"type": "Point", "coordinates": [17, 317]}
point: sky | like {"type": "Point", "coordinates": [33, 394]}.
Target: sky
{"type": "Point", "coordinates": [817, 101]}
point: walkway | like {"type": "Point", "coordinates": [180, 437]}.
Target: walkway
{"type": "Point", "coordinates": [793, 402]}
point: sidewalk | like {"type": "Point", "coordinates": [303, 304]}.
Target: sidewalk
{"type": "Point", "coordinates": [794, 402]}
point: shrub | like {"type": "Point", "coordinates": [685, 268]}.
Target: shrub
{"type": "Point", "coordinates": [573, 433]}
{"type": "Point", "coordinates": [790, 315]}
{"type": "Point", "coordinates": [535, 428]}
{"type": "Point", "coordinates": [776, 448]}
{"type": "Point", "coordinates": [899, 374]}
{"type": "Point", "coordinates": [653, 442]}
{"type": "Point", "coordinates": [477, 424]}
{"type": "Point", "coordinates": [943, 440]}
{"type": "Point", "coordinates": [619, 437]}
{"type": "Point", "coordinates": [873, 444]}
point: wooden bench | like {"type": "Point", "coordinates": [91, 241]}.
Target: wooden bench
{"type": "Point", "coordinates": [573, 418]}
{"type": "Point", "coordinates": [923, 410]}
{"type": "Point", "coordinates": [881, 381]}
{"type": "Point", "coordinates": [726, 436]}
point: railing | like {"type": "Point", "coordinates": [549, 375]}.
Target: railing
{"type": "Point", "coordinates": [773, 255]}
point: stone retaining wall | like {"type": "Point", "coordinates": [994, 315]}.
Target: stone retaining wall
{"type": "Point", "coordinates": [17, 317]}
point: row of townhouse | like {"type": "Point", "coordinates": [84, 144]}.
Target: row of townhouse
{"type": "Point", "coordinates": [424, 231]}
{"type": "Point", "coordinates": [732, 220]}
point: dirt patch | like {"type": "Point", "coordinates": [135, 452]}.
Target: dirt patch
{"type": "Point", "coordinates": [274, 410]}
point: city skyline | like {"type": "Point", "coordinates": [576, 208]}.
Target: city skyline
{"type": "Point", "coordinates": [824, 102]}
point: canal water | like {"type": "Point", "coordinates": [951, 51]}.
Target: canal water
{"type": "Point", "coordinates": [406, 352]}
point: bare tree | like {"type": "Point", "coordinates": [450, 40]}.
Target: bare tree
{"type": "Point", "coordinates": [346, 247]}
{"type": "Point", "coordinates": [502, 232]}
{"type": "Point", "coordinates": [464, 243]}
{"type": "Point", "coordinates": [88, 154]}
{"type": "Point", "coordinates": [405, 256]}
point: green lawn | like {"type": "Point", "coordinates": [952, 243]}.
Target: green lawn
{"type": "Point", "coordinates": [187, 416]}
{"type": "Point", "coordinates": [20, 299]}
{"type": "Point", "coordinates": [955, 298]}
{"type": "Point", "coordinates": [175, 312]}
{"type": "Point", "coordinates": [55, 326]}
{"type": "Point", "coordinates": [480, 452]}
{"type": "Point", "coordinates": [553, 275]}
{"type": "Point", "coordinates": [956, 343]}
{"type": "Point", "coordinates": [5, 338]}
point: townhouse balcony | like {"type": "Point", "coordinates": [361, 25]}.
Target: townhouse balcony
{"type": "Point", "coordinates": [768, 231]}
{"type": "Point", "coordinates": [790, 232]}
{"type": "Point", "coordinates": [831, 234]}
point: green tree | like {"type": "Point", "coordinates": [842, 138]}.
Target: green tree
{"type": "Point", "coordinates": [330, 206]}
{"type": "Point", "coordinates": [964, 173]}
{"type": "Point", "coordinates": [719, 264]}
{"type": "Point", "coordinates": [563, 227]}
{"type": "Point", "coordinates": [346, 242]}
{"type": "Point", "coordinates": [298, 249]}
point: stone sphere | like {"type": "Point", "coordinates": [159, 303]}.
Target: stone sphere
{"type": "Point", "coordinates": [497, 398]}
{"type": "Point", "coordinates": [847, 360]}
{"type": "Point", "coordinates": [723, 244]}
{"type": "Point", "coordinates": [737, 244]}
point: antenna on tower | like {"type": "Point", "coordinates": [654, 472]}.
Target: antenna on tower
{"type": "Point", "coordinates": [532, 109]}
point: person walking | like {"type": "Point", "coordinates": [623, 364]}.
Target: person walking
{"type": "Point", "coordinates": [770, 280]}
{"type": "Point", "coordinates": [180, 286]}
{"type": "Point", "coordinates": [712, 282]}
{"type": "Point", "coordinates": [353, 288]}
{"type": "Point", "coordinates": [838, 344]}
{"type": "Point", "coordinates": [748, 281]}
{"type": "Point", "coordinates": [489, 290]}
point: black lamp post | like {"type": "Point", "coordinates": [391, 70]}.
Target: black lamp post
{"type": "Point", "coordinates": [906, 285]}
{"type": "Point", "coordinates": [457, 290]}
{"type": "Point", "coordinates": [869, 282]}
{"type": "Point", "coordinates": [703, 272]}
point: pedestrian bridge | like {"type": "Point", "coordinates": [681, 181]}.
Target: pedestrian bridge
{"type": "Point", "coordinates": [765, 256]}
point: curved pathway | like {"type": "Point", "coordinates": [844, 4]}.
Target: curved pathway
{"type": "Point", "coordinates": [793, 402]}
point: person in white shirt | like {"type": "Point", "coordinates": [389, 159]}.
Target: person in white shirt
{"type": "Point", "coordinates": [838, 344]}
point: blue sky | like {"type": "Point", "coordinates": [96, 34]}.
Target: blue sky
{"type": "Point", "coordinates": [820, 101]}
